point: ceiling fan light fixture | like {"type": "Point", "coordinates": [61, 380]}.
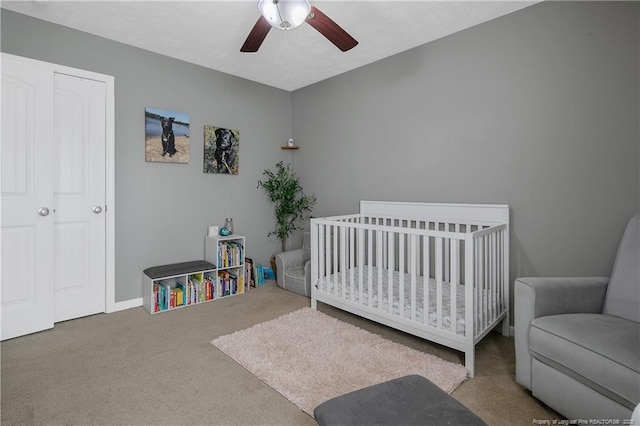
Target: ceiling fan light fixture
{"type": "Point", "coordinates": [284, 14]}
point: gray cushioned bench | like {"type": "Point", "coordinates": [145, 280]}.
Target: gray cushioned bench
{"type": "Point", "coordinates": [408, 400]}
{"type": "Point", "coordinates": [161, 271]}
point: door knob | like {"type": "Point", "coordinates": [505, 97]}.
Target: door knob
{"type": "Point", "coordinates": [97, 209]}
{"type": "Point", "coordinates": [43, 211]}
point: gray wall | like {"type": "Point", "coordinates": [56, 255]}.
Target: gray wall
{"type": "Point", "coordinates": [163, 210]}
{"type": "Point", "coordinates": [537, 109]}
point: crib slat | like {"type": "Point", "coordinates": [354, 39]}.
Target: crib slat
{"type": "Point", "coordinates": [481, 277]}
{"type": "Point", "coordinates": [343, 262]}
{"type": "Point", "coordinates": [486, 267]}
{"type": "Point", "coordinates": [321, 254]}
{"type": "Point", "coordinates": [426, 274]}
{"type": "Point", "coordinates": [502, 268]}
{"type": "Point", "coordinates": [379, 263]}
{"type": "Point", "coordinates": [498, 282]}
{"type": "Point", "coordinates": [351, 245]}
{"type": "Point", "coordinates": [438, 261]}
{"type": "Point", "coordinates": [361, 263]}
{"type": "Point", "coordinates": [446, 255]}
{"type": "Point", "coordinates": [370, 268]}
{"type": "Point", "coordinates": [470, 286]}
{"type": "Point", "coordinates": [385, 236]}
{"type": "Point", "coordinates": [412, 270]}
{"type": "Point", "coordinates": [390, 269]}
{"type": "Point", "coordinates": [334, 258]}
{"type": "Point", "coordinates": [453, 284]}
{"type": "Point", "coordinates": [401, 270]}
{"type": "Point", "coordinates": [476, 279]}
{"type": "Point", "coordinates": [351, 248]}
{"type": "Point", "coordinates": [492, 292]}
{"type": "Point", "coordinates": [499, 266]}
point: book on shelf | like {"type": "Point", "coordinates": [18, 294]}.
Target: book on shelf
{"type": "Point", "coordinates": [230, 253]}
{"type": "Point", "coordinates": [184, 291]}
{"type": "Point", "coordinates": [210, 287]}
{"type": "Point", "coordinates": [230, 283]}
{"type": "Point", "coordinates": [179, 296]}
{"type": "Point", "coordinates": [198, 288]}
{"type": "Point", "coordinates": [156, 298]}
{"type": "Point", "coordinates": [259, 274]}
{"type": "Point", "coordinates": [240, 284]}
{"type": "Point", "coordinates": [162, 295]}
{"type": "Point", "coordinates": [249, 276]}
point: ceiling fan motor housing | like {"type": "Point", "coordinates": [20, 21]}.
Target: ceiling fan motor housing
{"type": "Point", "coordinates": [284, 14]}
{"type": "Point", "coordinates": [288, 14]}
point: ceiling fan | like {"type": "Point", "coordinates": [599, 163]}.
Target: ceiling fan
{"type": "Point", "coordinates": [288, 14]}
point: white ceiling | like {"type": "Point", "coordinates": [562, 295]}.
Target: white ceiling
{"type": "Point", "coordinates": [210, 33]}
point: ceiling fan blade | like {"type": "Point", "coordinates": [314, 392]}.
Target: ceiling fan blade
{"type": "Point", "coordinates": [332, 31]}
{"type": "Point", "coordinates": [256, 36]}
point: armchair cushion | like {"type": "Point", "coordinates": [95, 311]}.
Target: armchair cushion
{"type": "Point", "coordinates": [600, 351]}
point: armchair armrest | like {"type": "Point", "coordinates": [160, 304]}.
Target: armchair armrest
{"type": "Point", "coordinates": [553, 296]}
{"type": "Point", "coordinates": [538, 297]}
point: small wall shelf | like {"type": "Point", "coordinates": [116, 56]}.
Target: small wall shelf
{"type": "Point", "coordinates": [289, 147]}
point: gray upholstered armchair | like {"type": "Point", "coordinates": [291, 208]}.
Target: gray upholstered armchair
{"type": "Point", "coordinates": [578, 339]}
{"type": "Point", "coordinates": [294, 268]}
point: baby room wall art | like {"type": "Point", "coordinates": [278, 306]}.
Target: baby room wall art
{"type": "Point", "coordinates": [166, 136]}
{"type": "Point", "coordinates": [221, 150]}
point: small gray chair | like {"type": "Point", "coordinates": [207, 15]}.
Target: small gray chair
{"type": "Point", "coordinates": [294, 268]}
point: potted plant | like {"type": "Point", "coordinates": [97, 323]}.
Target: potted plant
{"type": "Point", "coordinates": [291, 203]}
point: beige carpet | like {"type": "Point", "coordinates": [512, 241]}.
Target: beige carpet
{"type": "Point", "coordinates": [310, 357]}
{"type": "Point", "coordinates": [133, 368]}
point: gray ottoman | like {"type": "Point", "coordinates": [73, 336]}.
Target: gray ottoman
{"type": "Point", "coordinates": [408, 400]}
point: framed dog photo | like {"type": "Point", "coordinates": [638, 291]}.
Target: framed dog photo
{"type": "Point", "coordinates": [166, 136]}
{"type": "Point", "coordinates": [221, 148]}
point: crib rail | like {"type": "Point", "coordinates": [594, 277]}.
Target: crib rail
{"type": "Point", "coordinates": [451, 278]}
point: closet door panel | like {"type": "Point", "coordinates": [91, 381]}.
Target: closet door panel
{"type": "Point", "coordinates": [26, 228]}
{"type": "Point", "coordinates": [79, 190]}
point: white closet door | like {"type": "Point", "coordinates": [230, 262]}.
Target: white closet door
{"type": "Point", "coordinates": [79, 188]}
{"type": "Point", "coordinates": [26, 226]}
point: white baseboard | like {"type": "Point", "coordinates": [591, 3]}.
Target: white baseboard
{"type": "Point", "coordinates": [128, 304]}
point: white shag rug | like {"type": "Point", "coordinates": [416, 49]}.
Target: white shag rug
{"type": "Point", "coordinates": [310, 357]}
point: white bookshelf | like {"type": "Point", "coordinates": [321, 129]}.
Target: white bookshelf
{"type": "Point", "coordinates": [227, 253]}
{"type": "Point", "coordinates": [170, 287]}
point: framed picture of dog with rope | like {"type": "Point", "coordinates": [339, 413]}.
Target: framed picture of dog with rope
{"type": "Point", "coordinates": [166, 136]}
{"type": "Point", "coordinates": [221, 148]}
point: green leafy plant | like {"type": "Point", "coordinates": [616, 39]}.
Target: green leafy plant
{"type": "Point", "coordinates": [291, 203]}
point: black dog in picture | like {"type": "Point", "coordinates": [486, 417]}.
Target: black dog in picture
{"type": "Point", "coordinates": [224, 154]}
{"type": "Point", "coordinates": [168, 138]}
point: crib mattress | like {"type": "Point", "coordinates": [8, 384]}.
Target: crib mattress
{"type": "Point", "coordinates": [333, 285]}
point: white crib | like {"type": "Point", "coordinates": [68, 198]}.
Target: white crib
{"type": "Point", "coordinates": [437, 271]}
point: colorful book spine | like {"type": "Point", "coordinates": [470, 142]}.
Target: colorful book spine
{"type": "Point", "coordinates": [156, 306]}
{"type": "Point", "coordinates": [182, 299]}
{"type": "Point", "coordinates": [230, 253]}
{"type": "Point", "coordinates": [259, 274]}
